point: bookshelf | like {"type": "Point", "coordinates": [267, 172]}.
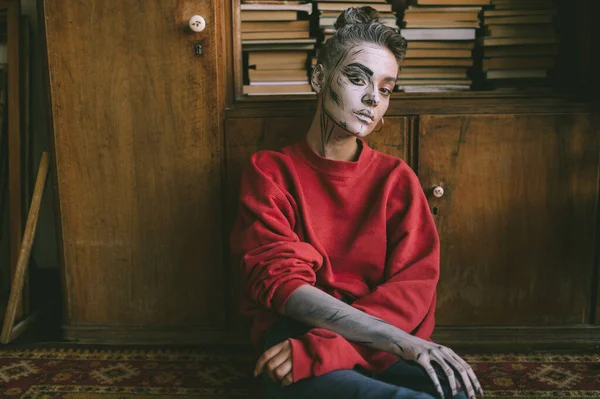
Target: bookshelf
{"type": "Point", "coordinates": [573, 76]}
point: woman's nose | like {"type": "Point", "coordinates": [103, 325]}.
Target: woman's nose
{"type": "Point", "coordinates": [371, 98]}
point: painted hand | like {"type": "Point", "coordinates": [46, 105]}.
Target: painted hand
{"type": "Point", "coordinates": [425, 352]}
{"type": "Point", "coordinates": [277, 362]}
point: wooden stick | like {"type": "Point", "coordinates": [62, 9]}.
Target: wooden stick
{"type": "Point", "coordinates": [16, 287]}
{"type": "Point", "coordinates": [22, 326]}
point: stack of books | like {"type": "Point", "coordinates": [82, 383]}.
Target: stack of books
{"type": "Point", "coordinates": [329, 11]}
{"type": "Point", "coordinates": [520, 43]}
{"type": "Point", "coordinates": [441, 36]}
{"type": "Point", "coordinates": [276, 44]}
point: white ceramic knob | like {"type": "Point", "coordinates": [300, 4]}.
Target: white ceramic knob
{"type": "Point", "coordinates": [197, 23]}
{"type": "Point", "coordinates": [438, 192]}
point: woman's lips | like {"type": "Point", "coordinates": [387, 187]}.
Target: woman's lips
{"type": "Point", "coordinates": [364, 118]}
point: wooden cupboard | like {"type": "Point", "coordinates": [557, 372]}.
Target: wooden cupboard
{"type": "Point", "coordinates": [138, 168]}
{"type": "Point", "coordinates": [150, 139]}
{"type": "Point", "coordinates": [517, 218]}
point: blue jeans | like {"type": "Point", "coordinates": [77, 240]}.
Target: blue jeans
{"type": "Point", "coordinates": [403, 380]}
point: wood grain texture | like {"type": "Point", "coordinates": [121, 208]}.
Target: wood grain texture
{"type": "Point", "coordinates": [595, 316]}
{"type": "Point", "coordinates": [27, 142]}
{"type": "Point", "coordinates": [245, 136]}
{"type": "Point", "coordinates": [137, 142]}
{"type": "Point", "coordinates": [236, 29]}
{"type": "Point", "coordinates": [517, 221]}
{"type": "Point", "coordinates": [230, 34]}
{"type": "Point", "coordinates": [15, 176]}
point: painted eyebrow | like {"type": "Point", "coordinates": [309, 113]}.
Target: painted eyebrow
{"type": "Point", "coordinates": [361, 67]}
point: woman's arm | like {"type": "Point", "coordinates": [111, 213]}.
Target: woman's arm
{"type": "Point", "coordinates": [316, 308]}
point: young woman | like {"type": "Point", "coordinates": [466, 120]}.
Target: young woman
{"type": "Point", "coordinates": [338, 247]}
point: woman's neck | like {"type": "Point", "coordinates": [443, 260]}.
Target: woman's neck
{"type": "Point", "coordinates": [331, 141]}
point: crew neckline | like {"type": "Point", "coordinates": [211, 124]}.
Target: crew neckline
{"type": "Point", "coordinates": [332, 167]}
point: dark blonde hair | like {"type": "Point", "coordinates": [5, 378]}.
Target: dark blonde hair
{"type": "Point", "coordinates": [355, 26]}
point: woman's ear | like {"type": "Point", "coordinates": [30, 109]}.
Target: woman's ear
{"type": "Point", "coordinates": [317, 78]}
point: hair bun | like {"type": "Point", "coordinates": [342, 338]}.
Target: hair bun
{"type": "Point", "coordinates": [357, 16]}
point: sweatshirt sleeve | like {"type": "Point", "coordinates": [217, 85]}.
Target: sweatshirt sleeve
{"type": "Point", "coordinates": [321, 351]}
{"type": "Point", "coordinates": [407, 296]}
{"type": "Point", "coordinates": [273, 260]}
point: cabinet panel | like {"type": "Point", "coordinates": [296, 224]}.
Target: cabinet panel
{"type": "Point", "coordinates": [517, 220]}
{"type": "Point", "coordinates": [138, 152]}
{"type": "Point", "coordinates": [245, 136]}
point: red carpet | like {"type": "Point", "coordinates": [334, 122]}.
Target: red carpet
{"type": "Point", "coordinates": [77, 372]}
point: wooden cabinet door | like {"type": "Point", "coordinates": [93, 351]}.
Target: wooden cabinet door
{"type": "Point", "coordinates": [138, 152]}
{"type": "Point", "coordinates": [245, 136]}
{"type": "Point", "coordinates": [517, 220]}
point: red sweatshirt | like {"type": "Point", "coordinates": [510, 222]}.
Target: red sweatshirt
{"type": "Point", "coordinates": [361, 231]}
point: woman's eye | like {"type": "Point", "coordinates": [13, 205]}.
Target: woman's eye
{"type": "Point", "coordinates": [357, 81]}
{"type": "Point", "coordinates": [385, 91]}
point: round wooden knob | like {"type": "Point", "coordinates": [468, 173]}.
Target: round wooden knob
{"type": "Point", "coordinates": [438, 192]}
{"type": "Point", "coordinates": [197, 23]}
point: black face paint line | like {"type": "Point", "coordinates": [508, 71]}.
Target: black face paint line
{"type": "Point", "coordinates": [329, 135]}
{"type": "Point", "coordinates": [323, 127]}
{"type": "Point", "coordinates": [342, 124]}
{"type": "Point", "coordinates": [325, 136]}
{"type": "Point", "coordinates": [362, 67]}
{"type": "Point", "coordinates": [368, 96]}
{"type": "Point", "coordinates": [358, 74]}
{"type": "Point", "coordinates": [357, 52]}
{"type": "Point", "coordinates": [336, 98]}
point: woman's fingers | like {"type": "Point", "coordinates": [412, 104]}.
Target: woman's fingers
{"type": "Point", "coordinates": [287, 380]}
{"type": "Point", "coordinates": [284, 371]}
{"type": "Point", "coordinates": [470, 372]}
{"type": "Point", "coordinates": [461, 367]}
{"type": "Point", "coordinates": [265, 357]}
{"type": "Point", "coordinates": [425, 361]}
{"type": "Point", "coordinates": [438, 357]}
{"type": "Point", "coordinates": [275, 362]}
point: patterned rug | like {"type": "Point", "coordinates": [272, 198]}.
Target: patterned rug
{"type": "Point", "coordinates": [85, 372]}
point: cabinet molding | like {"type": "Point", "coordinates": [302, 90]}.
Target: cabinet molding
{"type": "Point", "coordinates": [514, 338]}
{"type": "Point", "coordinates": [414, 104]}
{"type": "Point", "coordinates": [457, 337]}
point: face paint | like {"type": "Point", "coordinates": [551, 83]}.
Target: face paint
{"type": "Point", "coordinates": [358, 90]}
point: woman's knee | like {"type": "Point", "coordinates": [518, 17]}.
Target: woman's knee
{"type": "Point", "coordinates": [321, 387]}
{"type": "Point", "coordinates": [340, 384]}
